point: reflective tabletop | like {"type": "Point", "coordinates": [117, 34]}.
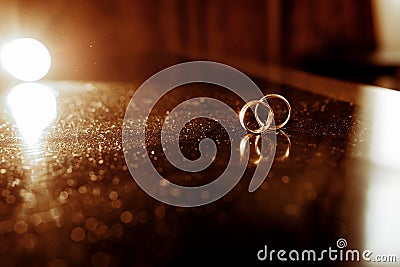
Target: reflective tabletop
{"type": "Point", "coordinates": [68, 198]}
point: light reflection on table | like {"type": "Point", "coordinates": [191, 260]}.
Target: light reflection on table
{"type": "Point", "coordinates": [382, 149]}
{"type": "Point", "coordinates": [33, 107]}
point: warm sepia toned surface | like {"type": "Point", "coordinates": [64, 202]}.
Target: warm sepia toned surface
{"type": "Point", "coordinates": [67, 199]}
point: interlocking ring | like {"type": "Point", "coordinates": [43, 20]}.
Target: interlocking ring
{"type": "Point", "coordinates": [264, 124]}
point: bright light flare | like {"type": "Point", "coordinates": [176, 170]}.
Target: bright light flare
{"type": "Point", "coordinates": [33, 107]}
{"type": "Point", "coordinates": [26, 59]}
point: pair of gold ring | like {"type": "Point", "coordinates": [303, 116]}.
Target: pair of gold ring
{"type": "Point", "coordinates": [264, 124]}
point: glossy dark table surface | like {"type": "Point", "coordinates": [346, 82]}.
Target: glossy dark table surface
{"type": "Point", "coordinates": [68, 199]}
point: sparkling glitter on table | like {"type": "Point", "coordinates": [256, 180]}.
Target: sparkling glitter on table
{"type": "Point", "coordinates": [78, 234]}
{"type": "Point", "coordinates": [126, 217]}
{"type": "Point", "coordinates": [20, 227]}
{"type": "Point", "coordinates": [68, 198]}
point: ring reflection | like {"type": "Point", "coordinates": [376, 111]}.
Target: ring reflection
{"type": "Point", "coordinates": [282, 153]}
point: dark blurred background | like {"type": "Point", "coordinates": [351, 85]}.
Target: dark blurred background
{"type": "Point", "coordinates": [130, 40]}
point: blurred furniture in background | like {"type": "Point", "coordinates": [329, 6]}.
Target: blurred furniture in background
{"type": "Point", "coordinates": [273, 31]}
{"type": "Point", "coordinates": [130, 40]}
{"type": "Point", "coordinates": [387, 55]}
